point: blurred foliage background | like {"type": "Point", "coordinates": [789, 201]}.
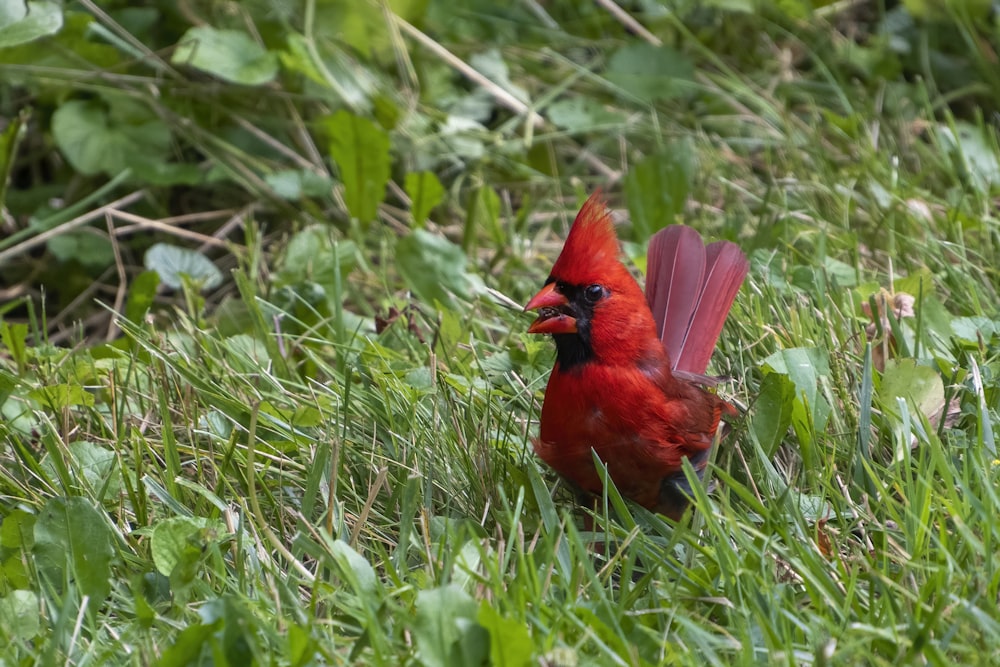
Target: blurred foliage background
{"type": "Point", "coordinates": [265, 392]}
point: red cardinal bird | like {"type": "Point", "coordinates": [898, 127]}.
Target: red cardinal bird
{"type": "Point", "coordinates": [628, 367]}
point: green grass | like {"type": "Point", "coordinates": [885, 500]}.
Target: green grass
{"type": "Point", "coordinates": [253, 474]}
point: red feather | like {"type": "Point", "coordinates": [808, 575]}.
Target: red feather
{"type": "Point", "coordinates": [591, 248]}
{"type": "Point", "coordinates": [690, 289]}
{"type": "Point", "coordinates": [613, 390]}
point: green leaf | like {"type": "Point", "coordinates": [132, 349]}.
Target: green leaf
{"type": "Point", "coordinates": [298, 58]}
{"type": "Point", "coordinates": [171, 262]}
{"type": "Point", "coordinates": [92, 250]}
{"type": "Point", "coordinates": [94, 142]}
{"type": "Point", "coordinates": [141, 294]}
{"type": "Point", "coordinates": [73, 541]}
{"type": "Point", "coordinates": [234, 644]}
{"type": "Point", "coordinates": [302, 647]}
{"type": "Point", "coordinates": [248, 354]}
{"type": "Point", "coordinates": [446, 630]}
{"type": "Point", "coordinates": [841, 274]}
{"type": "Point", "coordinates": [334, 70]}
{"type": "Point", "coordinates": [293, 184]}
{"type": "Point", "coordinates": [804, 366]}
{"type": "Point", "coordinates": [362, 25]}
{"type": "Point", "coordinates": [14, 336]}
{"type": "Point", "coordinates": [650, 73]}
{"type": "Point", "coordinates": [10, 139]}
{"type": "Point", "coordinates": [120, 134]}
{"type": "Point", "coordinates": [97, 465]}
{"type": "Point", "coordinates": [483, 213]}
{"type": "Point", "coordinates": [358, 24]}
{"type": "Point", "coordinates": [177, 544]}
{"type": "Point", "coordinates": [19, 615]}
{"type": "Point", "coordinates": [773, 411]}
{"type": "Point", "coordinates": [580, 114]}
{"type": "Point", "coordinates": [355, 568]}
{"type": "Point", "coordinates": [490, 63]}
{"type": "Point", "coordinates": [16, 531]}
{"type": "Point", "coordinates": [361, 150]}
{"type": "Point", "coordinates": [434, 267]}
{"type": "Point", "coordinates": [189, 646]}
{"type": "Point", "coordinates": [463, 137]}
{"type": "Point", "coordinates": [8, 383]}
{"type": "Point", "coordinates": [230, 55]}
{"type": "Point", "coordinates": [975, 149]}
{"type": "Point", "coordinates": [935, 13]}
{"type": "Point", "coordinates": [315, 256]}
{"type": "Point", "coordinates": [59, 396]}
{"type": "Point", "coordinates": [21, 23]}
{"type": "Point", "coordinates": [17, 538]}
{"type": "Point", "coordinates": [921, 386]}
{"type": "Point", "coordinates": [743, 6]}
{"type": "Point", "coordinates": [973, 329]}
{"type": "Point", "coordinates": [510, 641]}
{"type": "Point", "coordinates": [657, 189]}
{"type": "Point", "coordinates": [425, 192]}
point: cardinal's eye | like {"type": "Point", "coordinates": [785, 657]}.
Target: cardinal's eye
{"type": "Point", "coordinates": [593, 293]}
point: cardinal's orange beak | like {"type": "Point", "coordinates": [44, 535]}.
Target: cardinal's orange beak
{"type": "Point", "coordinates": [553, 312]}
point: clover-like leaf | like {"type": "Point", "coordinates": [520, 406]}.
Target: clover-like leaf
{"type": "Point", "coordinates": [171, 262]}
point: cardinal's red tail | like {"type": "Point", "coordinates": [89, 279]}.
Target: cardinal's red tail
{"type": "Point", "coordinates": [690, 289]}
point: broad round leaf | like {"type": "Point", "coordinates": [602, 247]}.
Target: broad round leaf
{"type": "Point", "coordinates": [73, 542]}
{"type": "Point", "coordinates": [434, 267]}
{"type": "Point", "coordinates": [19, 614]}
{"type": "Point", "coordinates": [94, 142]}
{"type": "Point", "coordinates": [96, 464]}
{"type": "Point", "coordinates": [581, 114]}
{"type": "Point", "coordinates": [921, 386]}
{"type": "Point", "coordinates": [179, 541]}
{"type": "Point", "coordinates": [650, 73]}
{"type": "Point", "coordinates": [91, 250]}
{"type": "Point", "coordinates": [21, 23]}
{"type": "Point", "coordinates": [171, 262]}
{"type": "Point", "coordinates": [973, 147]}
